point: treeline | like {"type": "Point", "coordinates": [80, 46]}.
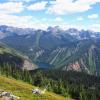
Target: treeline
{"type": "Point", "coordinates": [10, 70]}
{"type": "Point", "coordinates": [79, 86]}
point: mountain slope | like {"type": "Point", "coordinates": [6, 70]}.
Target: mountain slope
{"type": "Point", "coordinates": [81, 55]}
{"type": "Point", "coordinates": [24, 90]}
{"type": "Point", "coordinates": [55, 48]}
{"type": "Point", "coordinates": [14, 58]}
{"type": "Point", "coordinates": [86, 58]}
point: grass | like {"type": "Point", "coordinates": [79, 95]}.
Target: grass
{"type": "Point", "coordinates": [24, 90]}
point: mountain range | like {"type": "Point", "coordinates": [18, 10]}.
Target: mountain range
{"type": "Point", "coordinates": [55, 48]}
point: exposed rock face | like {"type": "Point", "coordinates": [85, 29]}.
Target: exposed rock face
{"type": "Point", "coordinates": [38, 54]}
{"type": "Point", "coordinates": [65, 49]}
{"type": "Point", "coordinates": [17, 61]}
{"type": "Point", "coordinates": [74, 66]}
{"type": "Point", "coordinates": [28, 65]}
{"type": "Point", "coordinates": [7, 98]}
{"type": "Point", "coordinates": [10, 57]}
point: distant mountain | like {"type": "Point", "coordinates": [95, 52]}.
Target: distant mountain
{"type": "Point", "coordinates": [6, 31]}
{"type": "Point", "coordinates": [56, 48]}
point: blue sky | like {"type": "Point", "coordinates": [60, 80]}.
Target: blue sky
{"type": "Point", "coordinates": [81, 14]}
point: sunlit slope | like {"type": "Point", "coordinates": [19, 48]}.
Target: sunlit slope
{"type": "Point", "coordinates": [24, 90]}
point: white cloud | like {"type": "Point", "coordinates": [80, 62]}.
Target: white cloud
{"type": "Point", "coordinates": [58, 19]}
{"type": "Point", "coordinates": [68, 6]}
{"type": "Point", "coordinates": [37, 6]}
{"type": "Point", "coordinates": [20, 0]}
{"type": "Point", "coordinates": [95, 27]}
{"type": "Point", "coordinates": [93, 16]}
{"type": "Point", "coordinates": [79, 27]}
{"type": "Point", "coordinates": [13, 20]}
{"type": "Point", "coordinates": [80, 18]}
{"type": "Point", "coordinates": [21, 21]}
{"type": "Point", "coordinates": [11, 7]}
{"type": "Point", "coordinates": [30, 22]}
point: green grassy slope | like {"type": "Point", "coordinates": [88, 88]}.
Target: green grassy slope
{"type": "Point", "coordinates": [24, 90]}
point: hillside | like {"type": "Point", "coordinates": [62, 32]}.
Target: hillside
{"type": "Point", "coordinates": [81, 55]}
{"type": "Point", "coordinates": [14, 58]}
{"type": "Point", "coordinates": [24, 90]}
{"type": "Point", "coordinates": [80, 86]}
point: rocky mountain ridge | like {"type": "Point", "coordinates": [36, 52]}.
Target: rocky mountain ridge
{"type": "Point", "coordinates": [56, 48]}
